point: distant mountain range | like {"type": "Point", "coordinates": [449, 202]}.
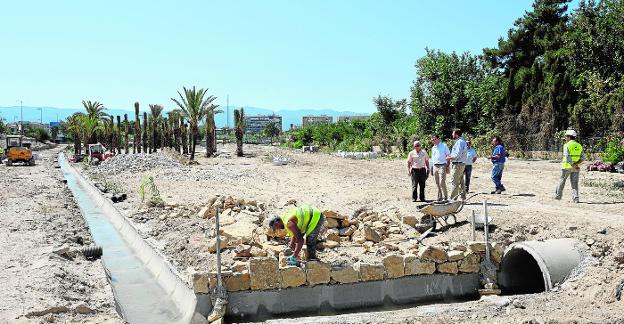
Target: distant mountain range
{"type": "Point", "coordinates": [52, 114]}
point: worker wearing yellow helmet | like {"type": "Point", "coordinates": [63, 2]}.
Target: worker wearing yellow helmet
{"type": "Point", "coordinates": [300, 222]}
{"type": "Point", "coordinates": [573, 156]}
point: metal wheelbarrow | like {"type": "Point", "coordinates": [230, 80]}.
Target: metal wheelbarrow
{"type": "Point", "coordinates": [440, 212]}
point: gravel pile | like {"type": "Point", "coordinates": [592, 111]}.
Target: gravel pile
{"type": "Point", "coordinates": [137, 163]}
{"type": "Point", "coordinates": [186, 173]}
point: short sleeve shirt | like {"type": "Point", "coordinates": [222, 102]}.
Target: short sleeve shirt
{"type": "Point", "coordinates": [472, 153]}
{"type": "Point", "coordinates": [417, 159]}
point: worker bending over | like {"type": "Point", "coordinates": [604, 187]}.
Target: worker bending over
{"type": "Point", "coordinates": [300, 222]}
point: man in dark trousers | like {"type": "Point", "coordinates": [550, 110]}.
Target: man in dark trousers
{"type": "Point", "coordinates": [418, 169]}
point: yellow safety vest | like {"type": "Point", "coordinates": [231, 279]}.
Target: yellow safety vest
{"type": "Point", "coordinates": [574, 150]}
{"type": "Point", "coordinates": [307, 219]}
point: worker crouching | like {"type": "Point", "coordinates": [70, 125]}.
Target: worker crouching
{"type": "Point", "coordinates": [300, 222]}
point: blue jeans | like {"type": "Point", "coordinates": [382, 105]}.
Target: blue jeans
{"type": "Point", "coordinates": [497, 174]}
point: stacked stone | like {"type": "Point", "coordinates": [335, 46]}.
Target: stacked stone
{"type": "Point", "coordinates": [262, 273]}
{"type": "Point", "coordinates": [359, 155]}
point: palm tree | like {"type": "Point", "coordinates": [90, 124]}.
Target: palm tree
{"type": "Point", "coordinates": [239, 124]}
{"type": "Point", "coordinates": [155, 117]}
{"type": "Point", "coordinates": [94, 109]}
{"type": "Point", "coordinates": [73, 127]}
{"type": "Point", "coordinates": [184, 137]}
{"type": "Point", "coordinates": [118, 134]}
{"type": "Point", "coordinates": [126, 135]}
{"type": "Point", "coordinates": [89, 129]}
{"type": "Point", "coordinates": [144, 133]}
{"type": "Point", "coordinates": [174, 128]}
{"type": "Point", "coordinates": [211, 130]}
{"type": "Point", "coordinates": [194, 105]}
{"type": "Point", "coordinates": [137, 130]}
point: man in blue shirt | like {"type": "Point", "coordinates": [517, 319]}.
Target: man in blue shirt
{"type": "Point", "coordinates": [470, 159]}
{"type": "Point", "coordinates": [458, 162]}
{"type": "Point", "coordinates": [498, 160]}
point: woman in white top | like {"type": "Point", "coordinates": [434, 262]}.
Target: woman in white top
{"type": "Point", "coordinates": [418, 169]}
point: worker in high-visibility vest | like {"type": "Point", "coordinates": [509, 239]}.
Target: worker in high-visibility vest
{"type": "Point", "coordinates": [573, 156]}
{"type": "Point", "coordinates": [300, 222]}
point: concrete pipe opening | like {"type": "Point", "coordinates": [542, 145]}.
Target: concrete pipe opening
{"type": "Point", "coordinates": [537, 266]}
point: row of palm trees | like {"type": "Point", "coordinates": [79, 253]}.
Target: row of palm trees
{"type": "Point", "coordinates": [178, 130]}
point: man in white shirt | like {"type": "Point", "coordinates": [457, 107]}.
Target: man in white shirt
{"type": "Point", "coordinates": [417, 169]}
{"type": "Point", "coordinates": [470, 159]}
{"type": "Point", "coordinates": [458, 162]}
{"type": "Point", "coordinates": [439, 163]}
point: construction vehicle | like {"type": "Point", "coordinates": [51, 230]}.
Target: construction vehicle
{"type": "Point", "coordinates": [97, 153]}
{"type": "Point", "coordinates": [18, 150]}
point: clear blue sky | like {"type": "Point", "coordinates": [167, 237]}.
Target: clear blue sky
{"type": "Point", "coordinates": [270, 54]}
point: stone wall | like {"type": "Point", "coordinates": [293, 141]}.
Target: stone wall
{"type": "Point", "coordinates": [264, 273]}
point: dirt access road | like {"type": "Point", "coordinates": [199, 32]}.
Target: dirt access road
{"type": "Point", "coordinates": [527, 211]}
{"type": "Point", "coordinates": [41, 283]}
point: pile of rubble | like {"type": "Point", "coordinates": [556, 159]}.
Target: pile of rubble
{"type": "Point", "coordinates": [136, 163]}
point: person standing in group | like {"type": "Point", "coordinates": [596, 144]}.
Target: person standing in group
{"type": "Point", "coordinates": [498, 159]}
{"type": "Point", "coordinates": [418, 168]}
{"type": "Point", "coordinates": [470, 159]}
{"type": "Point", "coordinates": [457, 159]}
{"type": "Point", "coordinates": [573, 156]}
{"type": "Point", "coordinates": [439, 152]}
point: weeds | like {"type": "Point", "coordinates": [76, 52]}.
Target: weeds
{"type": "Point", "coordinates": [606, 184]}
{"type": "Point", "coordinates": [148, 190]}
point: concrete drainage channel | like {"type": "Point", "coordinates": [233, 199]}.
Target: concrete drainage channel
{"type": "Point", "coordinates": [261, 305]}
{"type": "Point", "coordinates": [148, 289]}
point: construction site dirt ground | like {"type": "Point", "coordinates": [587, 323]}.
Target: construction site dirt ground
{"type": "Point", "coordinates": [42, 278]}
{"type": "Point", "coordinates": [526, 211]}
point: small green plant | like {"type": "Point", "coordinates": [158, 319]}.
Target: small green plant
{"type": "Point", "coordinates": [148, 190]}
{"type": "Point", "coordinates": [614, 152]}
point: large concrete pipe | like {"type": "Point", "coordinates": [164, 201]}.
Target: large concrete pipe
{"type": "Point", "coordinates": [537, 266]}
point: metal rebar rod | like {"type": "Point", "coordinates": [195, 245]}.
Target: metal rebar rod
{"type": "Point", "coordinates": [487, 231]}
{"type": "Point", "coordinates": [219, 279]}
{"type": "Point", "coordinates": [474, 226]}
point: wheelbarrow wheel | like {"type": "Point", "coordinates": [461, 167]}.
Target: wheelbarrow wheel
{"type": "Point", "coordinates": [429, 221]}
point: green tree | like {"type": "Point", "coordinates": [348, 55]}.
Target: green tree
{"type": "Point", "coordinates": [73, 126]}
{"type": "Point", "coordinates": [39, 134]}
{"type": "Point", "coordinates": [444, 87]}
{"type": "Point", "coordinates": [271, 131]}
{"type": "Point", "coordinates": [194, 103]}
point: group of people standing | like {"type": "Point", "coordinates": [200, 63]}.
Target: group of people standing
{"type": "Point", "coordinates": [457, 162]}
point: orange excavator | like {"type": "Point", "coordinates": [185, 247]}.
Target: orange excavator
{"type": "Point", "coordinates": [17, 150]}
